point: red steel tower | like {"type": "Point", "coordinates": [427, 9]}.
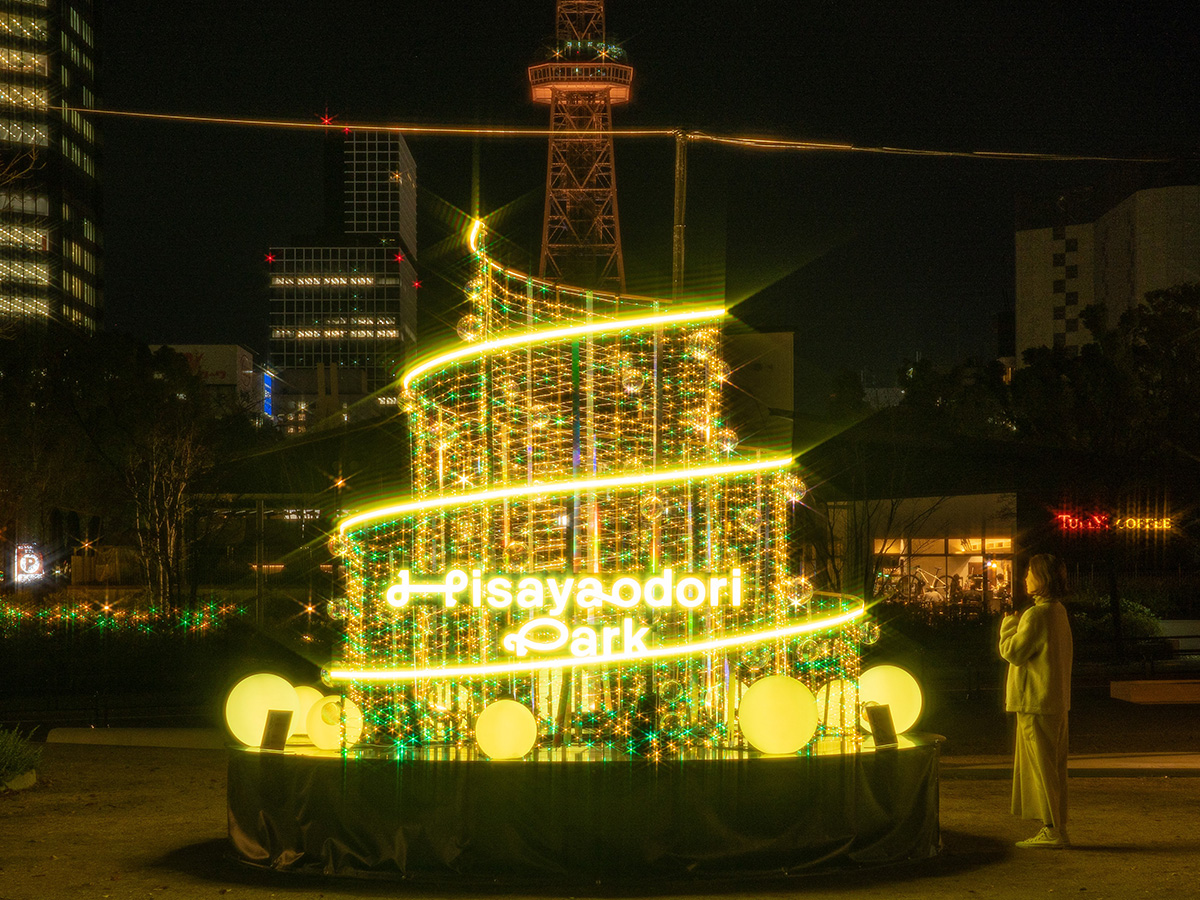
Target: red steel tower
{"type": "Point", "coordinates": [583, 78]}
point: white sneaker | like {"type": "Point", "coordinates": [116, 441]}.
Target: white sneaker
{"type": "Point", "coordinates": [1047, 839]}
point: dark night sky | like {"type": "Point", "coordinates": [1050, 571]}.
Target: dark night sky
{"type": "Point", "coordinates": [871, 259]}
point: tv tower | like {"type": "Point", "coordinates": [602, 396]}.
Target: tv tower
{"type": "Point", "coordinates": [583, 78]}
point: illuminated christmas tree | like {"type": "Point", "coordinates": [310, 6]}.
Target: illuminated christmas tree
{"type": "Point", "coordinates": [584, 537]}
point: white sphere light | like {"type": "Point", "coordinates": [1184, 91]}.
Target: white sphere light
{"type": "Point", "coordinates": [305, 697]}
{"type": "Point", "coordinates": [506, 730]}
{"type": "Point", "coordinates": [324, 723]}
{"type": "Point", "coordinates": [251, 699]}
{"type": "Point", "coordinates": [778, 715]}
{"type": "Point", "coordinates": [896, 688]}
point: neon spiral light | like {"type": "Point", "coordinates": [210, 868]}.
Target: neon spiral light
{"type": "Point", "coordinates": [563, 487]}
{"type": "Point", "coordinates": [334, 676]}
{"type": "Point", "coordinates": [549, 335]}
{"type": "Point", "coordinates": [583, 534]}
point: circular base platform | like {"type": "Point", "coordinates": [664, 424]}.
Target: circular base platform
{"type": "Point", "coordinates": [563, 814]}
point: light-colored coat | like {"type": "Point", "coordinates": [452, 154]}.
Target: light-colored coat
{"type": "Point", "coordinates": [1038, 648]}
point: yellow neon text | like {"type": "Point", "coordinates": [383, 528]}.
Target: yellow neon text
{"type": "Point", "coordinates": [334, 676]}
{"type": "Point", "coordinates": [689, 591]}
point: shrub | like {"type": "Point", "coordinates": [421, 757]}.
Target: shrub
{"type": "Point", "coordinates": [17, 755]}
{"type": "Point", "coordinates": [1092, 618]}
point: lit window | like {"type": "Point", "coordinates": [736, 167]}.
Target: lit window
{"type": "Point", "coordinates": [14, 132]}
{"type": "Point", "coordinates": [38, 204]}
{"type": "Point", "coordinates": [23, 27]}
{"type": "Point", "coordinates": [24, 271]}
{"type": "Point", "coordinates": [23, 305]}
{"type": "Point", "coordinates": [26, 237]}
{"type": "Point", "coordinates": [23, 61]}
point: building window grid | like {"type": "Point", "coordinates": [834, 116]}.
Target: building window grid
{"type": "Point", "coordinates": [25, 271]}
{"type": "Point", "coordinates": [24, 62]}
{"type": "Point", "coordinates": [13, 131]}
{"type": "Point", "coordinates": [81, 27]}
{"type": "Point", "coordinates": [309, 321]}
{"type": "Point", "coordinates": [26, 28]}
{"type": "Point", "coordinates": [25, 237]}
{"type": "Point", "coordinates": [379, 167]}
{"type": "Point", "coordinates": [23, 96]}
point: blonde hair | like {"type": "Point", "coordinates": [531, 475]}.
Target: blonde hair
{"type": "Point", "coordinates": [1049, 576]}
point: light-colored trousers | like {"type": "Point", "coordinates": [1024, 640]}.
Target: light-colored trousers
{"type": "Point", "coordinates": [1040, 768]}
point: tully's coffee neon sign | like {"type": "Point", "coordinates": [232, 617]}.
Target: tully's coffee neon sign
{"type": "Point", "coordinates": [1074, 523]}
{"type": "Point", "coordinates": [549, 598]}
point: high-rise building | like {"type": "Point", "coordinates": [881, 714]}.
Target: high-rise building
{"type": "Point", "coordinates": [1088, 247]}
{"type": "Point", "coordinates": [50, 241]}
{"type": "Point", "coordinates": [343, 311]}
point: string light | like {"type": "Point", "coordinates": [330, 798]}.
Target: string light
{"type": "Point", "coordinates": [575, 439]}
{"type": "Point", "coordinates": [748, 141]}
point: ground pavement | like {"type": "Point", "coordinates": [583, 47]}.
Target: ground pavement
{"type": "Point", "coordinates": [136, 822]}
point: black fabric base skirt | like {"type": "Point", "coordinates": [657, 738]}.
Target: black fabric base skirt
{"type": "Point", "coordinates": [562, 815]}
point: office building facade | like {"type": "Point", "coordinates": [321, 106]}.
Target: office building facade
{"type": "Point", "coordinates": [1089, 251]}
{"type": "Point", "coordinates": [50, 240]}
{"type": "Point", "coordinates": [343, 314]}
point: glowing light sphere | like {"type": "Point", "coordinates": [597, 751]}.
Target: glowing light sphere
{"type": "Point", "coordinates": [724, 439]}
{"type": "Point", "coordinates": [444, 432]}
{"type": "Point", "coordinates": [539, 417]}
{"type": "Point", "coordinates": [799, 590]}
{"type": "Point", "coordinates": [515, 553]}
{"type": "Point", "coordinates": [305, 697]}
{"type": "Point", "coordinates": [719, 369]}
{"type": "Point", "coordinates": [702, 343]}
{"type": "Point", "coordinates": [653, 507]}
{"type": "Point", "coordinates": [758, 658]}
{"type": "Point", "coordinates": [870, 632]}
{"type": "Point", "coordinates": [506, 729]}
{"type": "Point", "coordinates": [338, 545]}
{"type": "Point", "coordinates": [750, 519]}
{"type": "Point", "coordinates": [794, 487]}
{"type": "Point", "coordinates": [632, 380]}
{"type": "Point", "coordinates": [895, 687]}
{"type": "Point", "coordinates": [325, 723]}
{"type": "Point", "coordinates": [670, 691]}
{"type": "Point", "coordinates": [837, 704]}
{"type": "Point", "coordinates": [470, 327]}
{"type": "Point", "coordinates": [251, 699]}
{"type": "Point", "coordinates": [778, 715]}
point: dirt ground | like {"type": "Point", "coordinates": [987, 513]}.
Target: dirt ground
{"type": "Point", "coordinates": [119, 822]}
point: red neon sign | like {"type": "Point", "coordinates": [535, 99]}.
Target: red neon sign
{"type": "Point", "coordinates": [1075, 523]}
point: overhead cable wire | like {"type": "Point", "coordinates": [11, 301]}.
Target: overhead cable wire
{"type": "Point", "coordinates": [747, 141]}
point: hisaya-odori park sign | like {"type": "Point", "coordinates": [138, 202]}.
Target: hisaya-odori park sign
{"type": "Point", "coordinates": [552, 599]}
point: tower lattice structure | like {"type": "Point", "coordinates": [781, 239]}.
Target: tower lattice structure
{"type": "Point", "coordinates": [581, 81]}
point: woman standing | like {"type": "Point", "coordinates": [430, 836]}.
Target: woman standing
{"type": "Point", "coordinates": [1037, 645]}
